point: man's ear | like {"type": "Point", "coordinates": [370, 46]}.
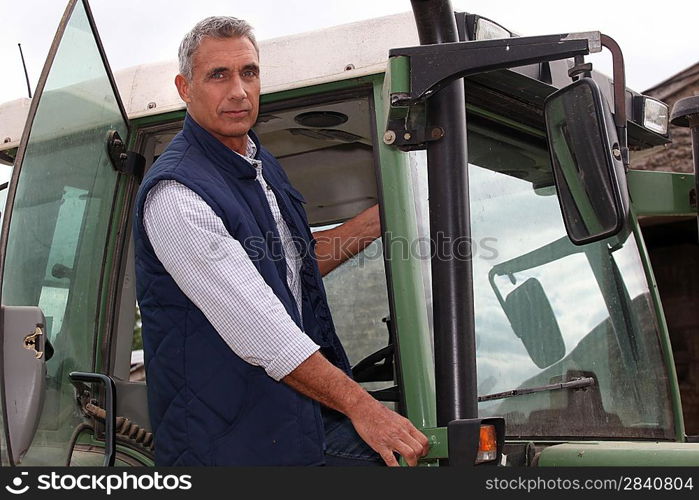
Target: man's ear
{"type": "Point", "coordinates": [182, 85]}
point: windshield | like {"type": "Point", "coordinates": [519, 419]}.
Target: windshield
{"type": "Point", "coordinates": [548, 312]}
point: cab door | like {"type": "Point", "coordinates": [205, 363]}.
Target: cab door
{"type": "Point", "coordinates": [54, 246]}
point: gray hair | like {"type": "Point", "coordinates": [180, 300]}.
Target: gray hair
{"type": "Point", "coordinates": [215, 27]}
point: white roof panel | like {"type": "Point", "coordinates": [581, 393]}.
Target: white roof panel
{"type": "Point", "coordinates": [321, 56]}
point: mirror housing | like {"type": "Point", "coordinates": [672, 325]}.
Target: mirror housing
{"type": "Point", "coordinates": [532, 319]}
{"type": "Point", "coordinates": [587, 162]}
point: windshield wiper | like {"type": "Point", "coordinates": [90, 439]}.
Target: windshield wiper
{"type": "Point", "coordinates": [577, 383]}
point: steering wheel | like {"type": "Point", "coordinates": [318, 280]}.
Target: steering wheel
{"type": "Point", "coordinates": [376, 367]}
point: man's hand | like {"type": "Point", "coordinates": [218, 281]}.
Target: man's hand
{"type": "Point", "coordinates": [388, 432]}
{"type": "Point", "coordinates": [382, 429]}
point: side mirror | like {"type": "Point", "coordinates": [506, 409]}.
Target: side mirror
{"type": "Point", "coordinates": [534, 322]}
{"type": "Point", "coordinates": [587, 162]}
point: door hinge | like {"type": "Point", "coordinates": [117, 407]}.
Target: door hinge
{"type": "Point", "coordinates": [127, 162]}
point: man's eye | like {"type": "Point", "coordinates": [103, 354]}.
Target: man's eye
{"type": "Point", "coordinates": [250, 73]}
{"type": "Point", "coordinates": [217, 76]}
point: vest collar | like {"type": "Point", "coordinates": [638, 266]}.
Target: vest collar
{"type": "Point", "coordinates": [219, 152]}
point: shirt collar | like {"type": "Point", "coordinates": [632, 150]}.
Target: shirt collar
{"type": "Point", "coordinates": [219, 152]}
{"type": "Point", "coordinates": [250, 153]}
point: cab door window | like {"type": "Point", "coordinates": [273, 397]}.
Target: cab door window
{"type": "Point", "coordinates": [59, 220]}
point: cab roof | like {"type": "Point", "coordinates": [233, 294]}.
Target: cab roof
{"type": "Point", "coordinates": [315, 57]}
{"type": "Point", "coordinates": [321, 56]}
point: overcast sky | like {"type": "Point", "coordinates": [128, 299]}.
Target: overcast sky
{"type": "Point", "coordinates": [655, 45]}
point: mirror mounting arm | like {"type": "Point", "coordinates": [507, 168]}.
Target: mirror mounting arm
{"type": "Point", "coordinates": [580, 69]}
{"type": "Point", "coordinates": [419, 72]}
{"type": "Point", "coordinates": [432, 67]}
{"type": "Point", "coordinates": [619, 75]}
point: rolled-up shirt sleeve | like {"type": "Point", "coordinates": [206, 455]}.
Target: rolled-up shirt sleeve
{"type": "Point", "coordinates": [216, 274]}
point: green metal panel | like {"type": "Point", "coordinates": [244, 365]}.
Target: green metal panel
{"type": "Point", "coordinates": [399, 75]}
{"type": "Point", "coordinates": [437, 437]}
{"type": "Point", "coordinates": [397, 81]}
{"type": "Point", "coordinates": [660, 193]}
{"type": "Point", "coordinates": [350, 83]}
{"type": "Point", "coordinates": [410, 311]}
{"type": "Point", "coordinates": [160, 119]}
{"type": "Point", "coordinates": [620, 454]}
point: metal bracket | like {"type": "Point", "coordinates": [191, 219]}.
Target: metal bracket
{"type": "Point", "coordinates": [407, 129]}
{"type": "Point", "coordinates": [416, 73]}
{"type": "Point", "coordinates": [126, 162]}
{"type": "Point", "coordinates": [580, 69]}
{"type": "Point", "coordinates": [405, 139]}
{"type": "Point", "coordinates": [434, 66]}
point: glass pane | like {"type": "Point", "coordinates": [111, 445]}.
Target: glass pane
{"type": "Point", "coordinates": [358, 302]}
{"type": "Point", "coordinates": [601, 304]}
{"type": "Point", "coordinates": [592, 305]}
{"type": "Point", "coordinates": [59, 224]}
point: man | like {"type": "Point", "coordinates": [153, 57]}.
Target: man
{"type": "Point", "coordinates": [243, 363]}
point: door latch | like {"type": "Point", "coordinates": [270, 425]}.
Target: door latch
{"type": "Point", "coordinates": [31, 342]}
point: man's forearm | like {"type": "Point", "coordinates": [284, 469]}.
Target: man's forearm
{"type": "Point", "coordinates": [335, 246]}
{"type": "Point", "coordinates": [382, 429]}
{"type": "Point", "coordinates": [319, 379]}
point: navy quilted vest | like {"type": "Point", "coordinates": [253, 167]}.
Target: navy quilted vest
{"type": "Point", "coordinates": [207, 406]}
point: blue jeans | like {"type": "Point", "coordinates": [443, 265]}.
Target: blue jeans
{"type": "Point", "coordinates": [343, 446]}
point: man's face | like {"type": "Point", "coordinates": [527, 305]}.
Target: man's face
{"type": "Point", "coordinates": [223, 95]}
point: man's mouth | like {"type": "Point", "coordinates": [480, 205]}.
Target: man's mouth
{"type": "Point", "coordinates": [236, 112]}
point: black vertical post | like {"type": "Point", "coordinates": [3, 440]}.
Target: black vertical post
{"type": "Point", "coordinates": [450, 230]}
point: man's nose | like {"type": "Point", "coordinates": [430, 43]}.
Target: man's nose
{"type": "Point", "coordinates": [237, 89]}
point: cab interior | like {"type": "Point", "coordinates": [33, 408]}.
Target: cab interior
{"type": "Point", "coordinates": [326, 146]}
